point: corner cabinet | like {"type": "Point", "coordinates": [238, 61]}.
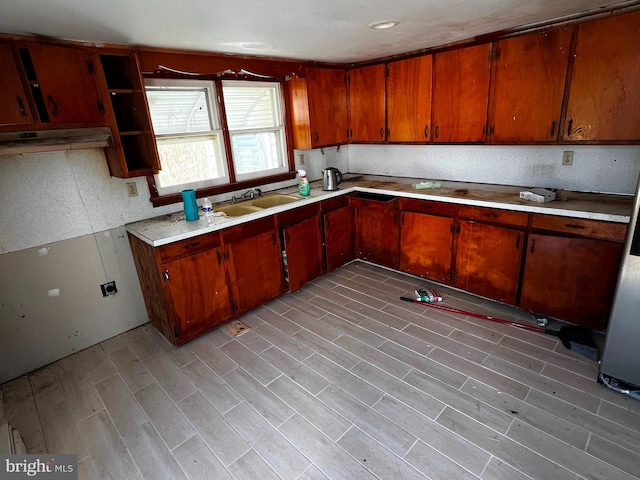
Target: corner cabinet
{"type": "Point", "coordinates": [377, 227]}
{"type": "Point", "coordinates": [528, 83]}
{"type": "Point", "coordinates": [134, 152]}
{"type": "Point", "coordinates": [367, 104]}
{"type": "Point", "coordinates": [461, 94]}
{"type": "Point", "coordinates": [14, 103]}
{"type": "Point", "coordinates": [604, 104]}
{"type": "Point", "coordinates": [319, 108]}
{"type": "Point", "coordinates": [338, 231]}
{"type": "Point", "coordinates": [409, 100]}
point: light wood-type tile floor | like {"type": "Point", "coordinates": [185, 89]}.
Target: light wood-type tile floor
{"type": "Point", "coordinates": [339, 380]}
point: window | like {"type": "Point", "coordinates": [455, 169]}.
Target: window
{"type": "Point", "coordinates": [191, 140]}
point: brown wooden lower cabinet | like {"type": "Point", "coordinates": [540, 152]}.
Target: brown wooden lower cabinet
{"type": "Point", "coordinates": [303, 246]}
{"type": "Point", "coordinates": [377, 229]}
{"type": "Point", "coordinates": [570, 278]}
{"type": "Point", "coordinates": [339, 240]}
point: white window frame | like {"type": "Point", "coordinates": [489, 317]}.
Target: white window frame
{"type": "Point", "coordinates": [216, 130]}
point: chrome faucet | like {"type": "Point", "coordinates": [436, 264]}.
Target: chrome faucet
{"type": "Point", "coordinates": [250, 194]}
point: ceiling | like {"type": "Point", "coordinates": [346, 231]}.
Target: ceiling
{"type": "Point", "coordinates": [320, 30]}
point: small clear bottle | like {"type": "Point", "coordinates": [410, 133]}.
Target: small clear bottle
{"type": "Point", "coordinates": [303, 188]}
{"type": "Point", "coordinates": [207, 210]}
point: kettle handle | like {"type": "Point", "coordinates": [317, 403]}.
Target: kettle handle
{"type": "Point", "coordinates": [338, 173]}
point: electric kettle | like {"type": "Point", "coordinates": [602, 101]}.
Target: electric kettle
{"type": "Point", "coordinates": [331, 178]}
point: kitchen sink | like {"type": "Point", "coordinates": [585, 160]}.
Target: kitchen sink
{"type": "Point", "coordinates": [257, 205]}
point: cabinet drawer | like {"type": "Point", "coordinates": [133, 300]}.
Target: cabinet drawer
{"type": "Point", "coordinates": [296, 215]}
{"type": "Point", "coordinates": [249, 229]}
{"type": "Point", "coordinates": [580, 227]}
{"type": "Point", "coordinates": [374, 201]}
{"type": "Point", "coordinates": [334, 203]}
{"type": "Point", "coordinates": [494, 215]}
{"type": "Point", "coordinates": [190, 246]}
{"type": "Point", "coordinates": [427, 206]}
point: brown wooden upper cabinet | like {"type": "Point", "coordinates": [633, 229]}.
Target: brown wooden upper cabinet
{"type": "Point", "coordinates": [367, 104]}
{"type": "Point", "coordinates": [409, 99]}
{"type": "Point", "coordinates": [14, 103]}
{"type": "Point", "coordinates": [460, 94]}
{"type": "Point", "coordinates": [63, 83]}
{"type": "Point", "coordinates": [529, 74]}
{"type": "Point", "coordinates": [604, 103]}
{"type": "Point", "coordinates": [319, 108]}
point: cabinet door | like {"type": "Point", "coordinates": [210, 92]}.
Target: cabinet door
{"type": "Point", "coordinates": [488, 260]}
{"type": "Point", "coordinates": [303, 244]}
{"type": "Point", "coordinates": [255, 270]}
{"type": "Point", "coordinates": [529, 73]}
{"type": "Point", "coordinates": [426, 245]}
{"type": "Point", "coordinates": [199, 297]}
{"type": "Point", "coordinates": [366, 104]}
{"type": "Point", "coordinates": [461, 94]}
{"type": "Point", "coordinates": [67, 80]}
{"type": "Point", "coordinates": [338, 237]}
{"type": "Point", "coordinates": [603, 97]}
{"type": "Point", "coordinates": [570, 278]}
{"type": "Point", "coordinates": [409, 100]}
{"type": "Point", "coordinates": [327, 91]}
{"type": "Point", "coordinates": [14, 106]}
{"type": "Point", "coordinates": [377, 236]}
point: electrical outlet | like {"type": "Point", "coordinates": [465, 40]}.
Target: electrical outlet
{"type": "Point", "coordinates": [132, 189]}
{"type": "Point", "coordinates": [301, 159]}
{"type": "Point", "coordinates": [108, 288]}
{"type": "Point", "coordinates": [567, 158]}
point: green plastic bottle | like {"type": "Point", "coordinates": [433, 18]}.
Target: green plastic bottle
{"type": "Point", "coordinates": [303, 188]}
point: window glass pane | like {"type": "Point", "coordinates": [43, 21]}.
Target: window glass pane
{"type": "Point", "coordinates": [179, 110]}
{"type": "Point", "coordinates": [254, 152]}
{"type": "Point", "coordinates": [251, 107]}
{"type": "Point", "coordinates": [187, 160]}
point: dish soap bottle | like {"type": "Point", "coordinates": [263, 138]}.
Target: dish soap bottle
{"type": "Point", "coordinates": [303, 187]}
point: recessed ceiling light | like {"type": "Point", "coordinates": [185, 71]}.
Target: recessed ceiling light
{"type": "Point", "coordinates": [383, 24]}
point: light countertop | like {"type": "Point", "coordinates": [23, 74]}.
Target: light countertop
{"type": "Point", "coordinates": [596, 206]}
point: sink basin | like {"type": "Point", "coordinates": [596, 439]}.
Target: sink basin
{"type": "Point", "coordinates": [238, 210]}
{"type": "Point", "coordinates": [274, 200]}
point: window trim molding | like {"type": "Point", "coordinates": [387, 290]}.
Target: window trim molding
{"type": "Point", "coordinates": [168, 199]}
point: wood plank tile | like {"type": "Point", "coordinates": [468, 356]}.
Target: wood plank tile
{"type": "Point", "coordinates": [97, 365]}
{"type": "Point", "coordinates": [259, 397]}
{"type": "Point", "coordinates": [588, 385]}
{"type": "Point", "coordinates": [212, 356]}
{"type": "Point", "coordinates": [324, 296]}
{"type": "Point", "coordinates": [613, 454]}
{"type": "Point", "coordinates": [172, 380]}
{"type": "Point", "coordinates": [180, 356]}
{"type": "Point", "coordinates": [498, 470]}
{"type": "Point", "coordinates": [46, 386]}
{"type": "Point", "coordinates": [522, 411]}
{"type": "Point", "coordinates": [20, 411]}
{"type": "Point", "coordinates": [251, 467]}
{"type": "Point", "coordinates": [432, 433]}
{"type": "Point", "coordinates": [277, 306]}
{"type": "Point", "coordinates": [435, 465]}
{"type": "Point", "coordinates": [215, 390]}
{"type": "Point", "coordinates": [296, 371]}
{"type": "Point", "coordinates": [167, 419]}
{"type": "Point", "coordinates": [276, 450]}
{"type": "Point", "coordinates": [197, 460]}
{"type": "Point", "coordinates": [220, 437]}
{"type": "Point", "coordinates": [446, 343]}
{"type": "Point", "coordinates": [422, 321]}
{"type": "Point", "coordinates": [622, 416]}
{"type": "Point", "coordinates": [346, 380]}
{"type": "Point", "coordinates": [310, 408]}
{"type": "Point", "coordinates": [154, 461]}
{"type": "Point", "coordinates": [503, 448]}
{"type": "Point", "coordinates": [114, 343]}
{"type": "Point", "coordinates": [312, 473]}
{"type": "Point", "coordinates": [131, 369]}
{"type": "Point", "coordinates": [284, 342]}
{"type": "Point", "coordinates": [261, 370]}
{"type": "Point", "coordinates": [357, 297]}
{"type": "Point", "coordinates": [218, 337]}
{"type": "Point", "coordinates": [60, 430]}
{"type": "Point", "coordinates": [332, 460]}
{"type": "Point", "coordinates": [320, 345]}
{"type": "Point", "coordinates": [375, 458]}
{"type": "Point", "coordinates": [424, 402]}
{"type": "Point", "coordinates": [377, 315]}
{"type": "Point", "coordinates": [565, 455]}
{"type": "Point", "coordinates": [376, 357]}
{"type": "Point", "coordinates": [253, 342]}
{"type": "Point", "coordinates": [277, 321]}
{"type": "Point", "coordinates": [462, 402]}
{"type": "Point", "coordinates": [424, 364]}
{"type": "Point", "coordinates": [346, 327]}
{"type": "Point", "coordinates": [109, 456]}
{"type": "Point", "coordinates": [312, 324]}
{"type": "Point", "coordinates": [401, 338]}
{"type": "Point", "coordinates": [122, 407]}
{"type": "Point", "coordinates": [292, 300]}
{"type": "Point", "coordinates": [80, 393]}
{"type": "Point", "coordinates": [140, 344]}
{"type": "Point", "coordinates": [396, 439]}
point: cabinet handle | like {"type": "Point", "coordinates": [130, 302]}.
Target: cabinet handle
{"type": "Point", "coordinates": [315, 138]}
{"type": "Point", "coordinates": [101, 107]}
{"type": "Point", "coordinates": [569, 127]}
{"type": "Point", "coordinates": [553, 129]}
{"type": "Point", "coordinates": [426, 205]}
{"type": "Point", "coordinates": [91, 68]}
{"type": "Point", "coordinates": [435, 132]}
{"type": "Point", "coordinates": [191, 245]}
{"type": "Point", "coordinates": [573, 225]}
{"type": "Point", "coordinates": [381, 132]}
{"type": "Point", "coordinates": [518, 242]}
{"type": "Point", "coordinates": [491, 215]}
{"type": "Point", "coordinates": [165, 274]}
{"type": "Point", "coordinates": [54, 105]}
{"type": "Point", "coordinates": [402, 220]}
{"type": "Point", "coordinates": [533, 246]}
{"type": "Point", "coordinates": [219, 257]}
{"type": "Point", "coordinates": [23, 111]}
{"type": "Point", "coordinates": [426, 131]}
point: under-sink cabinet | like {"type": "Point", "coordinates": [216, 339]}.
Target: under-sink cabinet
{"type": "Point", "coordinates": [338, 232]}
